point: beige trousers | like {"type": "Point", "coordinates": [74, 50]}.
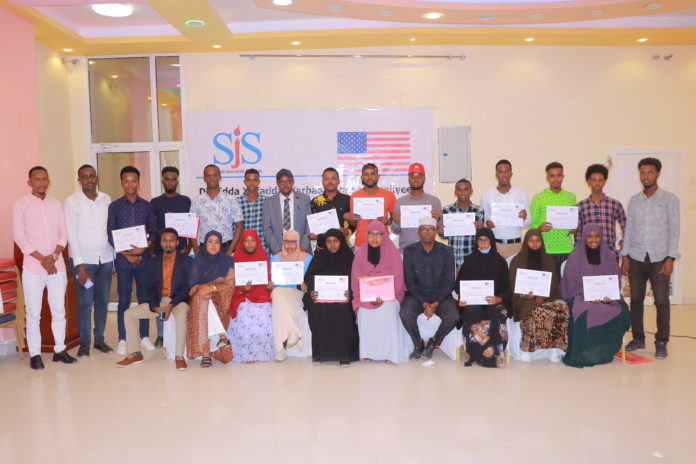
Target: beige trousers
{"type": "Point", "coordinates": [142, 311]}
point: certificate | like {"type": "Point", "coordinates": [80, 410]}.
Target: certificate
{"type": "Point", "coordinates": [598, 287]}
{"type": "Point", "coordinates": [507, 214]}
{"type": "Point", "coordinates": [457, 224]}
{"type": "Point", "coordinates": [321, 222]}
{"type": "Point", "coordinates": [255, 272]}
{"type": "Point", "coordinates": [378, 286]}
{"type": "Point", "coordinates": [537, 282]}
{"type": "Point", "coordinates": [412, 214]}
{"type": "Point", "coordinates": [368, 207]}
{"type": "Point", "coordinates": [331, 288]}
{"type": "Point", "coordinates": [287, 273]}
{"type": "Point", "coordinates": [474, 292]}
{"type": "Point", "coordinates": [129, 237]}
{"type": "Point", "coordinates": [186, 224]}
{"type": "Point", "coordinates": [562, 217]}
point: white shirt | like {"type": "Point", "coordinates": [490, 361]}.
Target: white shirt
{"type": "Point", "coordinates": [514, 195]}
{"type": "Point", "coordinates": [292, 211]}
{"type": "Point", "coordinates": [85, 221]}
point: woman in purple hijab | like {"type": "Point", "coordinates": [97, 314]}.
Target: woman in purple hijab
{"type": "Point", "coordinates": [378, 321]}
{"type": "Point", "coordinates": [595, 328]}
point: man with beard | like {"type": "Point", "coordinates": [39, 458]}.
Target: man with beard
{"type": "Point", "coordinates": [651, 245]}
{"type": "Point", "coordinates": [169, 202]}
{"type": "Point", "coordinates": [251, 203]}
{"type": "Point", "coordinates": [331, 199]}
{"type": "Point", "coordinates": [369, 178]}
{"type": "Point", "coordinates": [286, 210]}
{"type": "Point", "coordinates": [462, 245]}
{"type": "Point", "coordinates": [415, 197]}
{"type": "Point", "coordinates": [91, 257]}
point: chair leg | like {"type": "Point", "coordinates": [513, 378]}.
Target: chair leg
{"type": "Point", "coordinates": [20, 339]}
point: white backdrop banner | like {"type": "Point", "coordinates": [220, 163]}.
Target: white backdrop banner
{"type": "Point", "coordinates": [307, 142]}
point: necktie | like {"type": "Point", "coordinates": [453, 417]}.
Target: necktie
{"type": "Point", "coordinates": [286, 214]}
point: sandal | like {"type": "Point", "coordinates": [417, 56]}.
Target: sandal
{"type": "Point", "coordinates": [207, 361]}
{"type": "Point", "coordinates": [223, 342]}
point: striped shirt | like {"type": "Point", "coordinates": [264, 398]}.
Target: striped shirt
{"type": "Point", "coordinates": [606, 213]}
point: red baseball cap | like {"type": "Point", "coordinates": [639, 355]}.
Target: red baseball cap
{"type": "Point", "coordinates": [416, 167]}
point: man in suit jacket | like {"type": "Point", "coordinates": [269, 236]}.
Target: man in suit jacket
{"type": "Point", "coordinates": [168, 292]}
{"type": "Point", "coordinates": [286, 210]}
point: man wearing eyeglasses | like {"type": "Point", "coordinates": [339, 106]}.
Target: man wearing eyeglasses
{"type": "Point", "coordinates": [286, 210]}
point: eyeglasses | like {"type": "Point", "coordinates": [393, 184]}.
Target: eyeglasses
{"type": "Point", "coordinates": [289, 181]}
{"type": "Point", "coordinates": [290, 242]}
{"type": "Point", "coordinates": [375, 233]}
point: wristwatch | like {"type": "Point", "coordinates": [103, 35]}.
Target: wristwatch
{"type": "Point", "coordinates": [55, 256]}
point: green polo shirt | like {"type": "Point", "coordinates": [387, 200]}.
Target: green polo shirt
{"type": "Point", "coordinates": [556, 241]}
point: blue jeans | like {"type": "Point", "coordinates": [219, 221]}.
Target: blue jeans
{"type": "Point", "coordinates": [97, 295]}
{"type": "Point", "coordinates": [124, 278]}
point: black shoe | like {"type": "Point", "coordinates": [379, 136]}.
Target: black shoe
{"type": "Point", "coordinates": [159, 342]}
{"type": "Point", "coordinates": [83, 351]}
{"type": "Point", "coordinates": [428, 351]}
{"type": "Point", "coordinates": [103, 347]}
{"type": "Point", "coordinates": [660, 350]}
{"type": "Point", "coordinates": [417, 351]}
{"type": "Point", "coordinates": [63, 357]}
{"type": "Point", "coordinates": [36, 363]}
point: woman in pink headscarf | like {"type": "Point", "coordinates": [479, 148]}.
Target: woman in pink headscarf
{"type": "Point", "coordinates": [379, 324]}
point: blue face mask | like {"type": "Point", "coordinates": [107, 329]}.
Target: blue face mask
{"type": "Point", "coordinates": [486, 251]}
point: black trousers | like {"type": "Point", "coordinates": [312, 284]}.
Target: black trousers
{"type": "Point", "coordinates": [639, 273]}
{"type": "Point", "coordinates": [411, 309]}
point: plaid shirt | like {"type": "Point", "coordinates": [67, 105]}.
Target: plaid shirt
{"type": "Point", "coordinates": [253, 215]}
{"type": "Point", "coordinates": [606, 213]}
{"type": "Point", "coordinates": [462, 245]}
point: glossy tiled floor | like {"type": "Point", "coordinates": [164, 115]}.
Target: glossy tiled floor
{"type": "Point", "coordinates": [295, 412]}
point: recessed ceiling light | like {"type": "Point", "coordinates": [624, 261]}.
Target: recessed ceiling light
{"type": "Point", "coordinates": [149, 98]}
{"type": "Point", "coordinates": [91, 62]}
{"type": "Point", "coordinates": [176, 65]}
{"type": "Point", "coordinates": [114, 10]}
{"type": "Point", "coordinates": [282, 2]}
{"type": "Point", "coordinates": [433, 15]}
{"type": "Point", "coordinates": [529, 39]}
{"type": "Point", "coordinates": [536, 16]}
{"type": "Point", "coordinates": [296, 43]}
{"type": "Point", "coordinates": [487, 17]}
{"type": "Point", "coordinates": [595, 13]}
{"type": "Point", "coordinates": [385, 12]}
{"type": "Point", "coordinates": [114, 76]}
{"type": "Point", "coordinates": [164, 104]}
{"type": "Point", "coordinates": [643, 39]}
{"type": "Point", "coordinates": [194, 23]}
{"type": "Point", "coordinates": [335, 8]}
{"type": "Point", "coordinates": [653, 6]}
{"type": "Point", "coordinates": [217, 46]}
{"type": "Point", "coordinates": [357, 56]}
{"type": "Point", "coordinates": [412, 39]}
{"type": "Point", "coordinates": [68, 50]}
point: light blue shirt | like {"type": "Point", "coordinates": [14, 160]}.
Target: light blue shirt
{"type": "Point", "coordinates": [652, 227]}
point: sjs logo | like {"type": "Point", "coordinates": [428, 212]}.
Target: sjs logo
{"type": "Point", "coordinates": [237, 150]}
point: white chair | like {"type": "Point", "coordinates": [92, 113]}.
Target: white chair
{"type": "Point", "coordinates": [169, 338]}
{"type": "Point", "coordinates": [451, 345]}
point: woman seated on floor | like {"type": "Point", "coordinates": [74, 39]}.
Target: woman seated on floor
{"type": "Point", "coordinates": [379, 324]}
{"type": "Point", "coordinates": [543, 320]}
{"type": "Point", "coordinates": [212, 285]}
{"type": "Point", "coordinates": [334, 334]}
{"type": "Point", "coordinates": [288, 309]}
{"type": "Point", "coordinates": [484, 326]}
{"type": "Point", "coordinates": [251, 329]}
{"type": "Point", "coordinates": [596, 328]}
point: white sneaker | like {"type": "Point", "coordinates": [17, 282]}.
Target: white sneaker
{"type": "Point", "coordinates": [525, 357]}
{"type": "Point", "coordinates": [555, 357]}
{"type": "Point", "coordinates": [121, 350]}
{"type": "Point", "coordinates": [281, 355]}
{"type": "Point", "coordinates": [147, 344]}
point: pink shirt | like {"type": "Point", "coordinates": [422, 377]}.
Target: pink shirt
{"type": "Point", "coordinates": [39, 225]}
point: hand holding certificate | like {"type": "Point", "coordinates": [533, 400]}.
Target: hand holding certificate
{"type": "Point", "coordinates": [129, 238]}
{"type": "Point", "coordinates": [323, 221]}
{"type": "Point", "coordinates": [411, 214]}
{"type": "Point", "coordinates": [597, 288]}
{"type": "Point", "coordinates": [372, 288]}
{"type": "Point", "coordinates": [186, 224]}
{"type": "Point", "coordinates": [255, 272]}
{"type": "Point", "coordinates": [507, 214]}
{"type": "Point", "coordinates": [475, 292]}
{"type": "Point", "coordinates": [562, 217]}
{"type": "Point", "coordinates": [457, 224]}
{"type": "Point", "coordinates": [537, 282]}
{"type": "Point", "coordinates": [331, 289]}
{"type": "Point", "coordinates": [368, 207]}
{"type": "Point", "coordinates": [287, 273]}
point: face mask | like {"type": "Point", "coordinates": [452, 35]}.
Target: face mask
{"type": "Point", "coordinates": [486, 251]}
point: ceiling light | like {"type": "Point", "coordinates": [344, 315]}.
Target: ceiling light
{"type": "Point", "coordinates": [653, 6]}
{"type": "Point", "coordinates": [114, 76]}
{"type": "Point", "coordinates": [91, 62]}
{"type": "Point", "coordinates": [176, 65]}
{"type": "Point", "coordinates": [536, 16]}
{"type": "Point", "coordinates": [164, 104]}
{"type": "Point", "coordinates": [643, 39]}
{"type": "Point", "coordinates": [412, 39]}
{"type": "Point", "coordinates": [194, 23]}
{"type": "Point", "coordinates": [217, 46]}
{"type": "Point", "coordinates": [282, 2]}
{"type": "Point", "coordinates": [335, 8]}
{"type": "Point", "coordinates": [529, 39]}
{"type": "Point", "coordinates": [595, 13]}
{"type": "Point", "coordinates": [433, 15]}
{"type": "Point", "coordinates": [114, 10]}
{"type": "Point", "coordinates": [487, 17]}
{"type": "Point", "coordinates": [296, 43]}
{"type": "Point", "coordinates": [68, 50]}
{"type": "Point", "coordinates": [385, 12]}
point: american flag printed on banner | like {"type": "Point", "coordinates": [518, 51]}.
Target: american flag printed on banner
{"type": "Point", "coordinates": [389, 150]}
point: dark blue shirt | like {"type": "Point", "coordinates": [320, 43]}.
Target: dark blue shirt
{"type": "Point", "coordinates": [429, 277]}
{"type": "Point", "coordinates": [122, 214]}
{"type": "Point", "coordinates": [162, 205]}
